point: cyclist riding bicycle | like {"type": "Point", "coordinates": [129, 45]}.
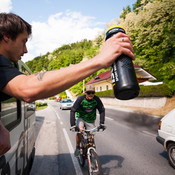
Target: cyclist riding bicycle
{"type": "Point", "coordinates": [85, 108]}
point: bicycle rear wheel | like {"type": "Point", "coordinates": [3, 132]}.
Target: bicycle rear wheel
{"type": "Point", "coordinates": [94, 165]}
{"type": "Point", "coordinates": [82, 156]}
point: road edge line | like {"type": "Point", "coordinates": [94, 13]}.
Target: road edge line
{"type": "Point", "coordinates": [71, 150]}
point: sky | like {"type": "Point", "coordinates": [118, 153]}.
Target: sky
{"type": "Point", "coordinates": [58, 22]}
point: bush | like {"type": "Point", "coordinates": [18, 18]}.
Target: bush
{"type": "Point", "coordinates": [161, 90]}
{"type": "Point", "coordinates": [52, 98]}
{"type": "Point", "coordinates": [108, 93]}
{"type": "Point", "coordinates": [40, 104]}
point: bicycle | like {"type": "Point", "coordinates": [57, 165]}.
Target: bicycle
{"type": "Point", "coordinates": [88, 151]}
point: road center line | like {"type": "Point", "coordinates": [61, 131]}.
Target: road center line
{"type": "Point", "coordinates": [71, 150]}
{"type": "Point", "coordinates": [106, 117]}
{"type": "Point", "coordinates": [109, 118]}
{"type": "Point", "coordinates": [148, 133]}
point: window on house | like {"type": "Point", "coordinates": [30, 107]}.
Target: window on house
{"type": "Point", "coordinates": [100, 88]}
{"type": "Point", "coordinates": [107, 87]}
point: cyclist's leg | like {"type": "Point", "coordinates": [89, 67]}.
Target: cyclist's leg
{"type": "Point", "coordinates": [89, 125]}
{"type": "Point", "coordinates": [80, 124]}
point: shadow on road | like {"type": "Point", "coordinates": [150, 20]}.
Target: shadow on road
{"type": "Point", "coordinates": [39, 123]}
{"type": "Point", "coordinates": [164, 154]}
{"type": "Point", "coordinates": [140, 119]}
{"type": "Point", "coordinates": [45, 165]}
{"type": "Point", "coordinates": [110, 162]}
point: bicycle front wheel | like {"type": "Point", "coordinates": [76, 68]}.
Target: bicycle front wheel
{"type": "Point", "coordinates": [94, 165]}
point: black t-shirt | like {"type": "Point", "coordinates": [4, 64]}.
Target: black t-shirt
{"type": "Point", "coordinates": [7, 72]}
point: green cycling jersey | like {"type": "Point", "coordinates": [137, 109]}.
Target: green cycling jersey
{"type": "Point", "coordinates": [86, 109]}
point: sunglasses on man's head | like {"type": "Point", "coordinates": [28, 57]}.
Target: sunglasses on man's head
{"type": "Point", "coordinates": [90, 92]}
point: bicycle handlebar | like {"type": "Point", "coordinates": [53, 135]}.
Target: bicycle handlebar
{"type": "Point", "coordinates": [96, 129]}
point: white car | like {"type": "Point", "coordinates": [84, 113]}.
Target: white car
{"type": "Point", "coordinates": [66, 104]}
{"type": "Point", "coordinates": [166, 135]}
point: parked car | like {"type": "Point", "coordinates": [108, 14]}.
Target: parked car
{"type": "Point", "coordinates": [66, 104]}
{"type": "Point", "coordinates": [31, 106]}
{"type": "Point", "coordinates": [166, 135]}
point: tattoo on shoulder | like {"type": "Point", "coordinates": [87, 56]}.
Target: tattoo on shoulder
{"type": "Point", "coordinates": [40, 75]}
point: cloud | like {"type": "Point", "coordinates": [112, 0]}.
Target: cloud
{"type": "Point", "coordinates": [61, 28]}
{"type": "Point", "coordinates": [5, 5]}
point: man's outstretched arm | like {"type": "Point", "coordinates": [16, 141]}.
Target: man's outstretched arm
{"type": "Point", "coordinates": [46, 84]}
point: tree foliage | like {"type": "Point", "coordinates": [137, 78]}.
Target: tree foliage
{"type": "Point", "coordinates": [151, 27]}
{"type": "Point", "coordinates": [152, 31]}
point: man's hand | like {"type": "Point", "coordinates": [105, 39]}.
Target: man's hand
{"type": "Point", "coordinates": [113, 48]}
{"type": "Point", "coordinates": [74, 128]}
{"type": "Point", "coordinates": [102, 126]}
{"type": "Point", "coordinates": [4, 140]}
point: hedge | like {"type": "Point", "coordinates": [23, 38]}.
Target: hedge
{"type": "Point", "coordinates": [40, 104]}
{"type": "Point", "coordinates": [161, 90]}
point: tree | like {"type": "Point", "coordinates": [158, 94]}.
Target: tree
{"type": "Point", "coordinates": [152, 32]}
{"type": "Point", "coordinates": [125, 12]}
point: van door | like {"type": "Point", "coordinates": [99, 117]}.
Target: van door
{"type": "Point", "coordinates": [19, 118]}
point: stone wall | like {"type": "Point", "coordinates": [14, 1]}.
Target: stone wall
{"type": "Point", "coordinates": [148, 102]}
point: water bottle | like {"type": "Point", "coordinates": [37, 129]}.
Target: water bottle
{"type": "Point", "coordinates": [124, 80]}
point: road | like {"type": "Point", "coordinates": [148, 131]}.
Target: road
{"type": "Point", "coordinates": [127, 147]}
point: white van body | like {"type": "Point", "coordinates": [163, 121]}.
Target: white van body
{"type": "Point", "coordinates": [166, 135]}
{"type": "Point", "coordinates": [19, 118]}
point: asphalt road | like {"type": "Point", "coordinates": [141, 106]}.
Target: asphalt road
{"type": "Point", "coordinates": [127, 147]}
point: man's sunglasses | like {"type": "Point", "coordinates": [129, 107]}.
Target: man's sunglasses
{"type": "Point", "coordinates": [90, 92]}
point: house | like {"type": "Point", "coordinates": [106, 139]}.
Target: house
{"type": "Point", "coordinates": [103, 82]}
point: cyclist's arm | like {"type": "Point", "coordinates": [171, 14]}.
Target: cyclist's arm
{"type": "Point", "coordinates": [101, 109]}
{"type": "Point", "coordinates": [74, 109]}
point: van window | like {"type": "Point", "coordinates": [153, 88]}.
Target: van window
{"type": "Point", "coordinates": [10, 113]}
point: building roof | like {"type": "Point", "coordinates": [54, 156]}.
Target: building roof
{"type": "Point", "coordinates": [140, 72]}
{"type": "Point", "coordinates": [101, 77]}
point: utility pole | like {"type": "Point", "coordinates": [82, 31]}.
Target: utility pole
{"type": "Point", "coordinates": [83, 86]}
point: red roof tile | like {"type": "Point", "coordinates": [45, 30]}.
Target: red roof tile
{"type": "Point", "coordinates": [100, 77]}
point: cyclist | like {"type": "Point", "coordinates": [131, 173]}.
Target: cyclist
{"type": "Point", "coordinates": [85, 108]}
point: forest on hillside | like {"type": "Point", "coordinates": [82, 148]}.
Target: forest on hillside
{"type": "Point", "coordinates": [151, 27]}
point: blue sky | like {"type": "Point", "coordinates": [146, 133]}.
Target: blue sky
{"type": "Point", "coordinates": [58, 22]}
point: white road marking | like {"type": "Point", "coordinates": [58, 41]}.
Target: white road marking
{"type": "Point", "coordinates": [55, 113]}
{"type": "Point", "coordinates": [106, 117]}
{"type": "Point", "coordinates": [109, 118]}
{"type": "Point", "coordinates": [149, 133]}
{"type": "Point", "coordinates": [71, 150]}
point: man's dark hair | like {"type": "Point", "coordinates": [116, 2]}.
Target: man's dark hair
{"type": "Point", "coordinates": [12, 25]}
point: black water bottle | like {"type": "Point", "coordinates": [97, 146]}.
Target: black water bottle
{"type": "Point", "coordinates": [124, 80]}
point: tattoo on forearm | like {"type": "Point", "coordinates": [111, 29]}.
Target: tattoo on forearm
{"type": "Point", "coordinates": [40, 75]}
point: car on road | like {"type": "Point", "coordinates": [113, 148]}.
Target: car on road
{"type": "Point", "coordinates": [66, 104]}
{"type": "Point", "coordinates": [31, 106]}
{"type": "Point", "coordinates": [166, 135]}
